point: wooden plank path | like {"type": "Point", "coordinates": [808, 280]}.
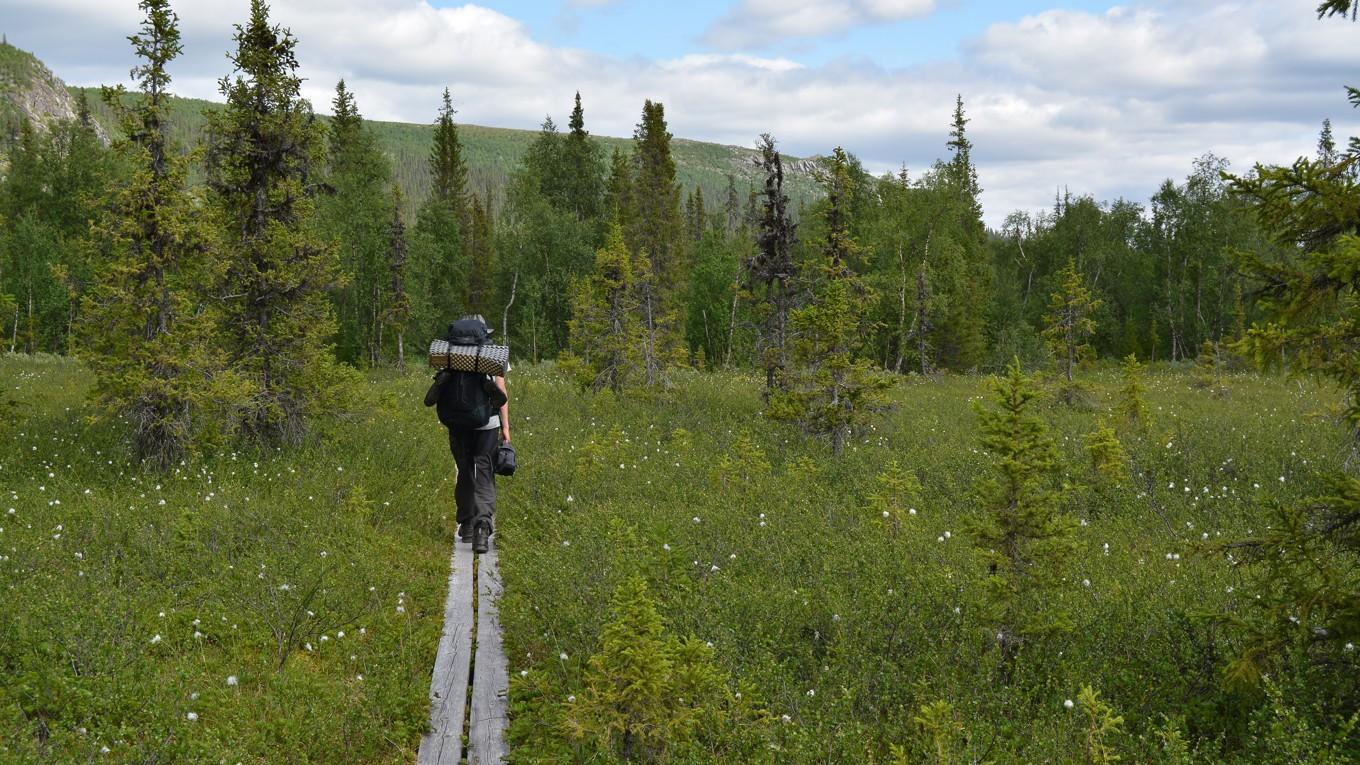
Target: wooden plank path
{"type": "Point", "coordinates": [471, 665]}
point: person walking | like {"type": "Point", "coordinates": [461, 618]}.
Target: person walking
{"type": "Point", "coordinates": [476, 410]}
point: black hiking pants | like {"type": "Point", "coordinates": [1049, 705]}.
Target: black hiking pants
{"type": "Point", "coordinates": [475, 493]}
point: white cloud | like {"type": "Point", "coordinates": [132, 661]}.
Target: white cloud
{"type": "Point", "coordinates": [1105, 103]}
{"type": "Point", "coordinates": [759, 23]}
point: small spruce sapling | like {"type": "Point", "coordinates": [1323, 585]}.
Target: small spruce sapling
{"type": "Point", "coordinates": [647, 693]}
{"type": "Point", "coordinates": [1102, 724]}
{"type": "Point", "coordinates": [1109, 462]}
{"type": "Point", "coordinates": [1209, 370]}
{"type": "Point", "coordinates": [896, 495]}
{"type": "Point", "coordinates": [1131, 403]}
{"type": "Point", "coordinates": [1020, 530]}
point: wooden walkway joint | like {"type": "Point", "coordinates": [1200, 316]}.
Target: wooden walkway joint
{"type": "Point", "coordinates": [468, 688]}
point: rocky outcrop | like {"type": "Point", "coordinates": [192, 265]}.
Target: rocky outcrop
{"type": "Point", "coordinates": [32, 92]}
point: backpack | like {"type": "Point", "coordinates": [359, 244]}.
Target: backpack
{"type": "Point", "coordinates": [467, 400]}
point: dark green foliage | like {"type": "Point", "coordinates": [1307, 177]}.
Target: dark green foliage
{"type": "Point", "coordinates": [353, 212]}
{"type": "Point", "coordinates": [1020, 529]}
{"type": "Point", "coordinates": [265, 149]}
{"type": "Point", "coordinates": [655, 232]}
{"type": "Point", "coordinates": [606, 330]}
{"type": "Point", "coordinates": [56, 178]}
{"type": "Point", "coordinates": [582, 179]}
{"type": "Point", "coordinates": [146, 331]}
{"type": "Point", "coordinates": [771, 271]}
{"type": "Point", "coordinates": [397, 315]}
{"type": "Point", "coordinates": [1069, 325]}
{"type": "Point", "coordinates": [831, 391]}
{"type": "Point", "coordinates": [1308, 577]}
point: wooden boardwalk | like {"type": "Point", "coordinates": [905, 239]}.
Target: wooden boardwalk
{"type": "Point", "coordinates": [468, 688]}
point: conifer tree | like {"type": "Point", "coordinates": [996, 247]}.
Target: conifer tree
{"type": "Point", "coordinates": [146, 333]}
{"type": "Point", "coordinates": [265, 148]}
{"type": "Point", "coordinates": [353, 213]}
{"type": "Point", "coordinates": [649, 694]}
{"type": "Point", "coordinates": [448, 169]}
{"type": "Point", "coordinates": [397, 315]}
{"type": "Point", "coordinates": [1209, 369]}
{"type": "Point", "coordinates": [656, 235]}
{"type": "Point", "coordinates": [1131, 403]}
{"type": "Point", "coordinates": [1307, 590]}
{"type": "Point", "coordinates": [478, 244]}
{"type": "Point", "coordinates": [606, 331]}
{"type": "Point", "coordinates": [1020, 530]}
{"type": "Point", "coordinates": [619, 190]}
{"type": "Point", "coordinates": [772, 269]}
{"type": "Point", "coordinates": [438, 255]}
{"type": "Point", "coordinates": [582, 168]}
{"type": "Point", "coordinates": [696, 215]}
{"type": "Point", "coordinates": [1070, 325]}
{"type": "Point", "coordinates": [833, 391]}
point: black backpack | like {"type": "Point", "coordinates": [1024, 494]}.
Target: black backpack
{"type": "Point", "coordinates": [466, 400]}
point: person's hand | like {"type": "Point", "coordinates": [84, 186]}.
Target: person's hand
{"type": "Point", "coordinates": [505, 434]}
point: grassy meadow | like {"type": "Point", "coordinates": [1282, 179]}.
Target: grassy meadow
{"type": "Point", "coordinates": [284, 606]}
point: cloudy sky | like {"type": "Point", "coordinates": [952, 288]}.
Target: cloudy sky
{"type": "Point", "coordinates": [1101, 98]}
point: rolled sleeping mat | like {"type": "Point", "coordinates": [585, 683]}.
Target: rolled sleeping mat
{"type": "Point", "coordinates": [483, 359]}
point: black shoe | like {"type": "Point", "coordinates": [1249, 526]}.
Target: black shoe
{"type": "Point", "coordinates": [481, 534]}
{"type": "Point", "coordinates": [465, 532]}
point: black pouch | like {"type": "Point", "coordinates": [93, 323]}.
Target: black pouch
{"type": "Point", "coordinates": [503, 461]}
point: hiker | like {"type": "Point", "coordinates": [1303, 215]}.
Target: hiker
{"type": "Point", "coordinates": [475, 408]}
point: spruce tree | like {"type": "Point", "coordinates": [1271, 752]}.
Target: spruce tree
{"type": "Point", "coordinates": [146, 332]}
{"type": "Point", "coordinates": [656, 235]}
{"type": "Point", "coordinates": [606, 330]}
{"type": "Point", "coordinates": [1307, 590]}
{"type": "Point", "coordinates": [353, 214]}
{"type": "Point", "coordinates": [480, 256]}
{"type": "Point", "coordinates": [1131, 403]}
{"type": "Point", "coordinates": [772, 269]}
{"type": "Point", "coordinates": [439, 260]}
{"type": "Point", "coordinates": [832, 392]}
{"type": "Point", "coordinates": [583, 168]}
{"type": "Point", "coordinates": [265, 148]}
{"type": "Point", "coordinates": [1069, 326]}
{"type": "Point", "coordinates": [1020, 531]}
{"type": "Point", "coordinates": [619, 190]}
{"type": "Point", "coordinates": [448, 169]}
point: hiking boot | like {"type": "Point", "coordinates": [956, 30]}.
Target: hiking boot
{"type": "Point", "coordinates": [465, 532]}
{"type": "Point", "coordinates": [481, 534]}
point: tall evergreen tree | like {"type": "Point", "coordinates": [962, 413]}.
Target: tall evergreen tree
{"type": "Point", "coordinates": [439, 260]}
{"type": "Point", "coordinates": [265, 148]}
{"type": "Point", "coordinates": [1308, 587]}
{"type": "Point", "coordinates": [772, 269]}
{"type": "Point", "coordinates": [832, 391]}
{"type": "Point", "coordinates": [448, 168]}
{"type": "Point", "coordinates": [582, 168]}
{"type": "Point", "coordinates": [353, 213]}
{"type": "Point", "coordinates": [656, 235]}
{"type": "Point", "coordinates": [619, 190]}
{"type": "Point", "coordinates": [480, 280]}
{"type": "Point", "coordinates": [606, 331]}
{"type": "Point", "coordinates": [146, 333]}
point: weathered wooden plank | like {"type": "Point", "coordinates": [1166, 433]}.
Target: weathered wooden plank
{"type": "Point", "coordinates": [490, 680]}
{"type": "Point", "coordinates": [443, 744]}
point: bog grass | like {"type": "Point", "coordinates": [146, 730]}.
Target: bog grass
{"type": "Point", "coordinates": [285, 606]}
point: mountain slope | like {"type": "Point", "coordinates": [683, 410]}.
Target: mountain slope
{"type": "Point", "coordinates": [493, 154]}
{"type": "Point", "coordinates": [30, 92]}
